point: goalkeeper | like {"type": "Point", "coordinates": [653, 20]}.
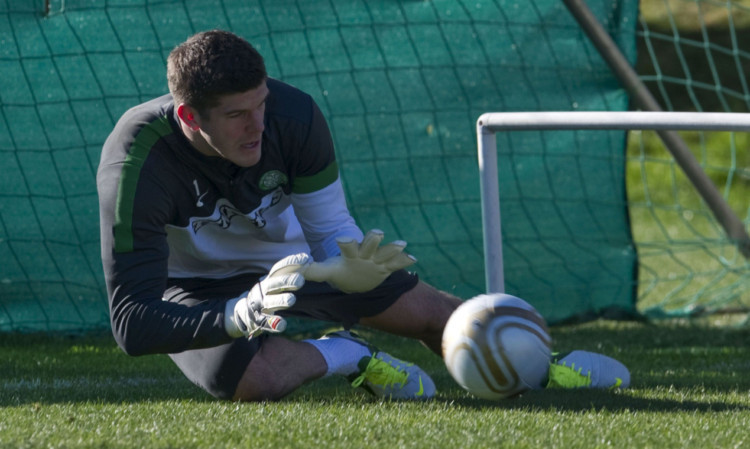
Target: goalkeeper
{"type": "Point", "coordinates": [222, 212]}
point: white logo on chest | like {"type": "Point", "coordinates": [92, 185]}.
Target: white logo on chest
{"type": "Point", "coordinates": [199, 202]}
{"type": "Point", "coordinates": [227, 212]}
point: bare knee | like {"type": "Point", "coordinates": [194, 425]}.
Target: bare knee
{"type": "Point", "coordinates": [249, 389]}
{"type": "Point", "coordinates": [280, 367]}
{"type": "Point", "coordinates": [420, 313]}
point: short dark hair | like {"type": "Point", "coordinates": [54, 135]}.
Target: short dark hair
{"type": "Point", "coordinates": [211, 64]}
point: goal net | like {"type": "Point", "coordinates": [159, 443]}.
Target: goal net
{"type": "Point", "coordinates": [692, 251]}
{"type": "Point", "coordinates": [693, 56]}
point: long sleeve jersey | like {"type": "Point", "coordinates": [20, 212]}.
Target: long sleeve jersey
{"type": "Point", "coordinates": [168, 211]}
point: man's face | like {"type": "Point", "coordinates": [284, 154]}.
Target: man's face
{"type": "Point", "coordinates": [234, 128]}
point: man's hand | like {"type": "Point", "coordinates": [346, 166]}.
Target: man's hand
{"type": "Point", "coordinates": [361, 266]}
{"type": "Point", "coordinates": [253, 312]}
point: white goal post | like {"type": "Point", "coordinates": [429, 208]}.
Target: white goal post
{"type": "Point", "coordinates": [492, 122]}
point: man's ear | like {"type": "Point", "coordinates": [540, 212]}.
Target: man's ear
{"type": "Point", "coordinates": [189, 116]}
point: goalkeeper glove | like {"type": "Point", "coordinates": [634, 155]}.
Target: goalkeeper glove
{"type": "Point", "coordinates": [361, 266]}
{"type": "Point", "coordinates": [253, 311]}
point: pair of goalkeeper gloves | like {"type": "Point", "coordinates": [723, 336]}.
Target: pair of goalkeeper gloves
{"type": "Point", "coordinates": [359, 268]}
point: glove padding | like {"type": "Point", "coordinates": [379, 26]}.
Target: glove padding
{"type": "Point", "coordinates": [361, 266]}
{"type": "Point", "coordinates": [254, 312]}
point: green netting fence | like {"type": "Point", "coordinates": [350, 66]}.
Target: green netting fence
{"type": "Point", "coordinates": [401, 83]}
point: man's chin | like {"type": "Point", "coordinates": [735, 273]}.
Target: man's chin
{"type": "Point", "coordinates": [246, 157]}
{"type": "Point", "coordinates": [243, 163]}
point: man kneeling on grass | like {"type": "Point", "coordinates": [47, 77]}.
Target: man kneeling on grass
{"type": "Point", "coordinates": [222, 211]}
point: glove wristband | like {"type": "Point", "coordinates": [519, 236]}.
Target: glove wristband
{"type": "Point", "coordinates": [230, 326]}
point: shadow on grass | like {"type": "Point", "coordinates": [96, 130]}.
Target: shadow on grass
{"type": "Point", "coordinates": [46, 369]}
{"type": "Point", "coordinates": [450, 396]}
{"type": "Point", "coordinates": [698, 365]}
{"type": "Point", "coordinates": [596, 401]}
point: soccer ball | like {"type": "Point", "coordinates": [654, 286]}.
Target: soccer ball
{"type": "Point", "coordinates": [497, 346]}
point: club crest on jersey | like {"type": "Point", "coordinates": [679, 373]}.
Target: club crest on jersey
{"type": "Point", "coordinates": [272, 179]}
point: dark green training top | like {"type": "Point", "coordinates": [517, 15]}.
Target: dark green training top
{"type": "Point", "coordinates": [168, 211]}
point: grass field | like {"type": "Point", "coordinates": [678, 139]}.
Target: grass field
{"type": "Point", "coordinates": [689, 389]}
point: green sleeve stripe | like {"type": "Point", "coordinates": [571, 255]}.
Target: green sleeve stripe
{"type": "Point", "coordinates": [131, 171]}
{"type": "Point", "coordinates": [325, 177]}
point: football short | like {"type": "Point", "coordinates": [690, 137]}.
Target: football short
{"type": "Point", "coordinates": [218, 370]}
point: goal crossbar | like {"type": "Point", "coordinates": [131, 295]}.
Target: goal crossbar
{"type": "Point", "coordinates": [491, 123]}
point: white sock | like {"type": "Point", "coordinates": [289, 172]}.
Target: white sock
{"type": "Point", "coordinates": [341, 355]}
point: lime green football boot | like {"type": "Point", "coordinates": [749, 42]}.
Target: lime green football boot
{"type": "Point", "coordinates": [383, 375]}
{"type": "Point", "coordinates": [584, 369]}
